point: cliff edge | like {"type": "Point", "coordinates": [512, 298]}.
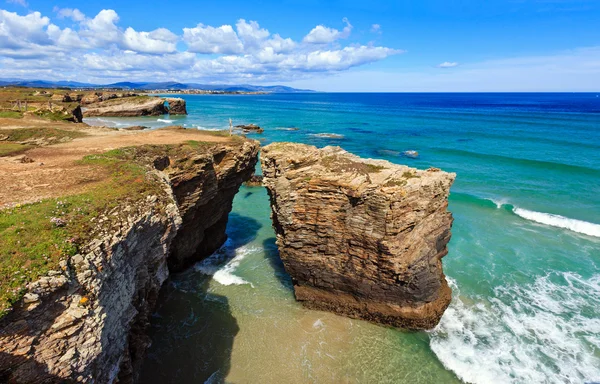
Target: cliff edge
{"type": "Point", "coordinates": [93, 262]}
{"type": "Point", "coordinates": [362, 238]}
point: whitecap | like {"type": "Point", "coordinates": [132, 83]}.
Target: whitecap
{"type": "Point", "coordinates": [165, 121]}
{"type": "Point", "coordinates": [574, 225]}
{"type": "Point", "coordinates": [222, 264]}
{"type": "Point", "coordinates": [533, 333]}
{"type": "Point", "coordinates": [328, 135]}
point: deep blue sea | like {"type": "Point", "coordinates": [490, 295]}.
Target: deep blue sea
{"type": "Point", "coordinates": [523, 262]}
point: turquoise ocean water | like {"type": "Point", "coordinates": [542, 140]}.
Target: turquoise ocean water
{"type": "Point", "coordinates": [523, 262]}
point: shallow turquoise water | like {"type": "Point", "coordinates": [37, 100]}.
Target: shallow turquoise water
{"type": "Point", "coordinates": [524, 259]}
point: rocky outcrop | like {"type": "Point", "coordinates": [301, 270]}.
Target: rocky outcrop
{"type": "Point", "coordinates": [249, 128]}
{"type": "Point", "coordinates": [77, 114]}
{"type": "Point", "coordinates": [128, 107]}
{"type": "Point", "coordinates": [177, 106]}
{"type": "Point", "coordinates": [361, 238]}
{"type": "Point", "coordinates": [86, 321]}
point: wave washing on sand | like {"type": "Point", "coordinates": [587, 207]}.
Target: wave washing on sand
{"type": "Point", "coordinates": [222, 264]}
{"type": "Point", "coordinates": [97, 121]}
{"type": "Point", "coordinates": [544, 332]}
{"type": "Point", "coordinates": [327, 135]}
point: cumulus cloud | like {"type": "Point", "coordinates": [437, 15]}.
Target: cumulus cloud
{"type": "Point", "coordinates": [207, 39]}
{"type": "Point", "coordinates": [99, 48]}
{"type": "Point", "coordinates": [324, 35]}
{"type": "Point", "coordinates": [447, 64]}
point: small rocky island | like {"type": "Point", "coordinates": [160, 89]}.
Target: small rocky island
{"type": "Point", "coordinates": [361, 238]}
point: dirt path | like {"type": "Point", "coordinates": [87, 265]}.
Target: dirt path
{"type": "Point", "coordinates": [54, 171]}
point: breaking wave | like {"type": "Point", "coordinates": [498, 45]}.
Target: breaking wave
{"type": "Point", "coordinates": [222, 264]}
{"type": "Point", "coordinates": [328, 135]}
{"type": "Point", "coordinates": [553, 220]}
{"type": "Point", "coordinates": [544, 332]}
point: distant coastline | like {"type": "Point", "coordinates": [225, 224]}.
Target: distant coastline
{"type": "Point", "coordinates": [161, 87]}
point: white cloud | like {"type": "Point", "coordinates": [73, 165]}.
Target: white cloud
{"type": "Point", "coordinates": [74, 14]}
{"type": "Point", "coordinates": [99, 48]}
{"type": "Point", "coordinates": [251, 34]}
{"type": "Point", "coordinates": [20, 31]}
{"type": "Point", "coordinates": [18, 2]}
{"type": "Point", "coordinates": [376, 28]}
{"type": "Point", "coordinates": [157, 41]}
{"type": "Point", "coordinates": [207, 39]}
{"type": "Point", "coordinates": [324, 35]}
{"type": "Point", "coordinates": [447, 64]}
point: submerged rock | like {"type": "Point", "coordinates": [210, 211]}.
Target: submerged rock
{"type": "Point", "coordinates": [250, 128]}
{"type": "Point", "coordinates": [361, 238]}
{"type": "Point", "coordinates": [254, 181]}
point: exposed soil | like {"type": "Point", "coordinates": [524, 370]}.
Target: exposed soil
{"type": "Point", "coordinates": [55, 171]}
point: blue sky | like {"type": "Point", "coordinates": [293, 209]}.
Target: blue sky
{"type": "Point", "coordinates": [519, 45]}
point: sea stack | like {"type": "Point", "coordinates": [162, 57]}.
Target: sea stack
{"type": "Point", "coordinates": [361, 238]}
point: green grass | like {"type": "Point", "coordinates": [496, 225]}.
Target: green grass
{"type": "Point", "coordinates": [410, 175]}
{"type": "Point", "coordinates": [54, 116]}
{"type": "Point", "coordinates": [52, 135]}
{"type": "Point", "coordinates": [12, 149]}
{"type": "Point", "coordinates": [11, 114]}
{"type": "Point", "coordinates": [32, 244]}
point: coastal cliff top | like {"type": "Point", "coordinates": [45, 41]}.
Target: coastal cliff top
{"type": "Point", "coordinates": [39, 159]}
{"type": "Point", "coordinates": [60, 181]}
{"type": "Point", "coordinates": [335, 164]}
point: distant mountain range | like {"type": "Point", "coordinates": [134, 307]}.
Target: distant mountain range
{"type": "Point", "coordinates": [152, 86]}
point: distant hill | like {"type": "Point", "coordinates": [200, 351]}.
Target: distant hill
{"type": "Point", "coordinates": [152, 86]}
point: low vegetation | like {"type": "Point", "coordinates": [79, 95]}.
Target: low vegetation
{"type": "Point", "coordinates": [11, 114]}
{"type": "Point", "coordinates": [45, 135]}
{"type": "Point", "coordinates": [35, 237]}
{"type": "Point", "coordinates": [343, 164]}
{"type": "Point", "coordinates": [13, 149]}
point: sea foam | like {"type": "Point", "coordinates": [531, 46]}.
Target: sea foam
{"type": "Point", "coordinates": [543, 332]}
{"type": "Point", "coordinates": [550, 219]}
{"type": "Point", "coordinates": [327, 135]}
{"type": "Point", "coordinates": [574, 225]}
{"type": "Point", "coordinates": [222, 264]}
{"type": "Point", "coordinates": [165, 121]}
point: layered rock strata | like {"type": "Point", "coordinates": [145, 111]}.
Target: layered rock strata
{"type": "Point", "coordinates": [86, 321]}
{"type": "Point", "coordinates": [177, 106]}
{"type": "Point", "coordinates": [128, 107]}
{"type": "Point", "coordinates": [361, 238]}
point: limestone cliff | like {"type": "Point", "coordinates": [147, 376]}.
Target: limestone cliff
{"type": "Point", "coordinates": [177, 106]}
{"type": "Point", "coordinates": [86, 321]}
{"type": "Point", "coordinates": [128, 107]}
{"type": "Point", "coordinates": [132, 106]}
{"type": "Point", "coordinates": [361, 238]}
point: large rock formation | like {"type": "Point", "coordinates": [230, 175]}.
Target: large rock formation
{"type": "Point", "coordinates": [86, 322]}
{"type": "Point", "coordinates": [177, 106]}
{"type": "Point", "coordinates": [128, 107]}
{"type": "Point", "coordinates": [361, 238]}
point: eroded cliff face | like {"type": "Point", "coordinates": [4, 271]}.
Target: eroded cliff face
{"type": "Point", "coordinates": [361, 238]}
{"type": "Point", "coordinates": [136, 106]}
{"type": "Point", "coordinates": [86, 322]}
